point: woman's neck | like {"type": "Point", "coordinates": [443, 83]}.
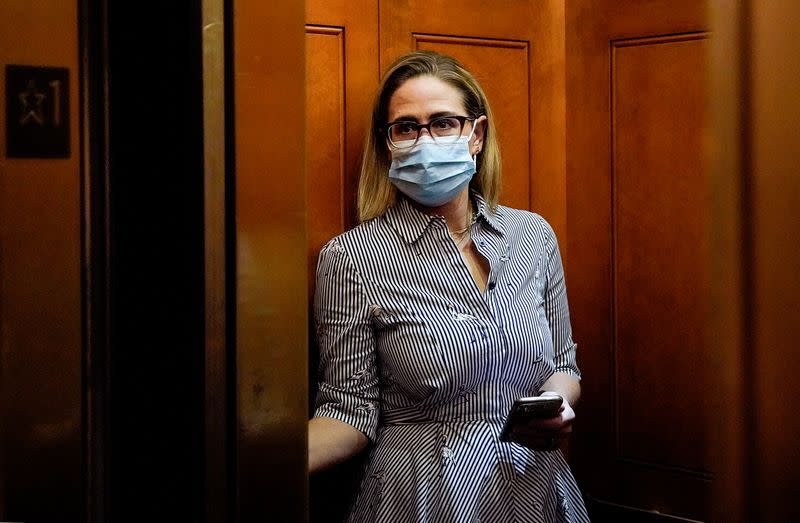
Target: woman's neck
{"type": "Point", "coordinates": [458, 213]}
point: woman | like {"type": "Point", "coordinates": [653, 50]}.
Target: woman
{"type": "Point", "coordinates": [437, 312]}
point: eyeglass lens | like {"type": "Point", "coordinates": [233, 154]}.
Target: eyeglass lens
{"type": "Point", "coordinates": [443, 130]}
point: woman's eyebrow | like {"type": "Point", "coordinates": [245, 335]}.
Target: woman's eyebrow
{"type": "Point", "coordinates": [405, 118]}
{"type": "Point", "coordinates": [433, 116]}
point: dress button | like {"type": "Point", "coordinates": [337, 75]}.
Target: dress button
{"type": "Point", "coordinates": [492, 285]}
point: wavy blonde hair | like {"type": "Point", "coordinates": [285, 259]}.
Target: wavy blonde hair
{"type": "Point", "coordinates": [375, 191]}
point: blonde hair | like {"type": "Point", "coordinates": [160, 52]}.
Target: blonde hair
{"type": "Point", "coordinates": [375, 192]}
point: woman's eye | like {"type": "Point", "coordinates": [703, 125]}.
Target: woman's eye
{"type": "Point", "coordinates": [446, 127]}
{"type": "Point", "coordinates": [444, 124]}
{"type": "Point", "coordinates": [405, 128]}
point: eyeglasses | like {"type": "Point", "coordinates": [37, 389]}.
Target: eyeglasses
{"type": "Point", "coordinates": [444, 130]}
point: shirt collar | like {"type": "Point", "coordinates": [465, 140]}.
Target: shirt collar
{"type": "Point", "coordinates": [410, 223]}
{"type": "Point", "coordinates": [495, 219]}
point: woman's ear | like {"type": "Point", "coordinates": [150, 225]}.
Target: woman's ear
{"type": "Point", "coordinates": [476, 142]}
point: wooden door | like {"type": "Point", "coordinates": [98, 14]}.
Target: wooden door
{"type": "Point", "coordinates": [516, 53]}
{"type": "Point", "coordinates": [638, 203]}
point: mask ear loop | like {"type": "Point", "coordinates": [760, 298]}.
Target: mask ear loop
{"type": "Point", "coordinates": [471, 133]}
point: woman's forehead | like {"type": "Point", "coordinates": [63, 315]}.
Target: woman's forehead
{"type": "Point", "coordinates": [423, 96]}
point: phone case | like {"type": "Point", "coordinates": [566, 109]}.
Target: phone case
{"type": "Point", "coordinates": [525, 409]}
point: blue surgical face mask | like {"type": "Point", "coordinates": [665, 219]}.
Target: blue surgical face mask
{"type": "Point", "coordinates": [432, 173]}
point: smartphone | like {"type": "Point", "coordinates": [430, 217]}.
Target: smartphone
{"type": "Point", "coordinates": [528, 408]}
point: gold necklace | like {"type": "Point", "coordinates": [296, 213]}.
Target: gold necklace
{"type": "Point", "coordinates": [460, 235]}
{"type": "Point", "coordinates": [463, 237]}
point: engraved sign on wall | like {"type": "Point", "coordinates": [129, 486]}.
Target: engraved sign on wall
{"type": "Point", "coordinates": [37, 112]}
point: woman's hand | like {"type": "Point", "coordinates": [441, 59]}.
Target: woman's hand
{"type": "Point", "coordinates": [545, 434]}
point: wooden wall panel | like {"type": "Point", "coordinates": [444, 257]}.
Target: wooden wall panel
{"type": "Point", "coordinates": [354, 71]}
{"type": "Point", "coordinates": [509, 94]}
{"type": "Point", "coordinates": [325, 138]}
{"type": "Point", "coordinates": [637, 233]}
{"type": "Point", "coordinates": [660, 240]}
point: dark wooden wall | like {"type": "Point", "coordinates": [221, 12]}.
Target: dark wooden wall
{"type": "Point", "coordinates": [755, 323]}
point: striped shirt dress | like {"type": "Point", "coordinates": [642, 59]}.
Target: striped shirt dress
{"type": "Point", "coordinates": [427, 367]}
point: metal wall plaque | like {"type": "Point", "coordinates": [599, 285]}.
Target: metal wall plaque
{"type": "Point", "coordinates": [37, 112]}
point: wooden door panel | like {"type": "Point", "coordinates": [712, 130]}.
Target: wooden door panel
{"type": "Point", "coordinates": [341, 82]}
{"type": "Point", "coordinates": [325, 138]}
{"type": "Point", "coordinates": [509, 95]}
{"type": "Point", "coordinates": [341, 78]}
{"type": "Point", "coordinates": [637, 238]}
{"type": "Point", "coordinates": [660, 241]}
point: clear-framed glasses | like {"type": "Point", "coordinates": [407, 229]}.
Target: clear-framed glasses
{"type": "Point", "coordinates": [444, 130]}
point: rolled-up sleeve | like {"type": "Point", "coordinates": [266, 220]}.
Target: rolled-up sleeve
{"type": "Point", "coordinates": [348, 377]}
{"type": "Point", "coordinates": [557, 311]}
